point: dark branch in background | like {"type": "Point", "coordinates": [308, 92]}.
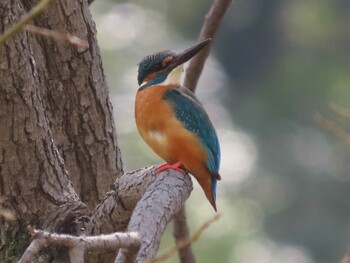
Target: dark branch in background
{"type": "Point", "coordinates": [193, 72]}
{"type": "Point", "coordinates": [181, 232]}
{"type": "Point", "coordinates": [185, 242]}
{"type": "Point", "coordinates": [209, 29]}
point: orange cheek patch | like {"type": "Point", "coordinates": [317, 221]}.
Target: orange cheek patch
{"type": "Point", "coordinates": [150, 77]}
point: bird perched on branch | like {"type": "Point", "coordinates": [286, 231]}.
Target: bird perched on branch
{"type": "Point", "coordinates": [173, 122]}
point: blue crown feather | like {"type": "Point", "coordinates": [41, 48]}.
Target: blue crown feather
{"type": "Point", "coordinates": [152, 63]}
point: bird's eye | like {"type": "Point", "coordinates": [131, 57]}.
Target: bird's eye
{"type": "Point", "coordinates": [164, 63]}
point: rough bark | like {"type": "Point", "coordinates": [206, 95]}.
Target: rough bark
{"type": "Point", "coordinates": [163, 199]}
{"type": "Point", "coordinates": [113, 213]}
{"type": "Point", "coordinates": [75, 96]}
{"type": "Point", "coordinates": [56, 124]}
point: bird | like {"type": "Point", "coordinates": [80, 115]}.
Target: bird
{"type": "Point", "coordinates": [173, 122]}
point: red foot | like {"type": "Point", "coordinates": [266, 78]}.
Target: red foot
{"type": "Point", "coordinates": [166, 166]}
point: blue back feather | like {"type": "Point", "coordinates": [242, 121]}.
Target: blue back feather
{"type": "Point", "coordinates": [191, 113]}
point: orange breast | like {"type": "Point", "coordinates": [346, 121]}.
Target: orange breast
{"type": "Point", "coordinates": [167, 137]}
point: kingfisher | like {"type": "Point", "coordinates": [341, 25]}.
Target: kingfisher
{"type": "Point", "coordinates": [173, 122]}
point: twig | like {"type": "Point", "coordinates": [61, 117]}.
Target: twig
{"type": "Point", "coordinates": [209, 29]}
{"type": "Point", "coordinates": [24, 20]}
{"type": "Point", "coordinates": [59, 37]}
{"type": "Point", "coordinates": [78, 245]}
{"type": "Point", "coordinates": [333, 127]}
{"type": "Point", "coordinates": [346, 258]}
{"type": "Point", "coordinates": [180, 233]}
{"type": "Point", "coordinates": [343, 112]}
{"type": "Point", "coordinates": [185, 242]}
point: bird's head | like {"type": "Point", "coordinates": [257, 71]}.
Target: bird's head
{"type": "Point", "coordinates": [165, 67]}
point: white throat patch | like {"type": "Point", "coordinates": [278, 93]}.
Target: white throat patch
{"type": "Point", "coordinates": [174, 77]}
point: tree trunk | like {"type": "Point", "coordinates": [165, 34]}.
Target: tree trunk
{"type": "Point", "coordinates": [58, 148]}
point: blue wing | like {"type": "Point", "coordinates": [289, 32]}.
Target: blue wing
{"type": "Point", "coordinates": [191, 113]}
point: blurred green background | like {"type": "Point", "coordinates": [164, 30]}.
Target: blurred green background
{"type": "Point", "coordinates": [285, 193]}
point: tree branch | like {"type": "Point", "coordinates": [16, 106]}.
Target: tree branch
{"type": "Point", "coordinates": [346, 258]}
{"type": "Point", "coordinates": [183, 243]}
{"type": "Point", "coordinates": [181, 232]}
{"type": "Point", "coordinates": [24, 20]}
{"type": "Point", "coordinates": [56, 36]}
{"type": "Point", "coordinates": [114, 211]}
{"type": "Point", "coordinates": [78, 245]}
{"type": "Point", "coordinates": [209, 30]}
{"type": "Point", "coordinates": [342, 112]}
{"type": "Point", "coordinates": [163, 199]}
{"type": "Point", "coordinates": [163, 195]}
{"type": "Point", "coordinates": [332, 127]}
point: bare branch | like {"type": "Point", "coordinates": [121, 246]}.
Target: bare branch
{"type": "Point", "coordinates": [161, 202]}
{"type": "Point", "coordinates": [332, 127]}
{"type": "Point", "coordinates": [78, 245]}
{"type": "Point", "coordinates": [185, 242]}
{"type": "Point", "coordinates": [180, 233]}
{"type": "Point", "coordinates": [76, 254]}
{"type": "Point", "coordinates": [346, 258]}
{"type": "Point", "coordinates": [343, 112]}
{"type": "Point", "coordinates": [24, 20]}
{"type": "Point", "coordinates": [34, 248]}
{"type": "Point", "coordinates": [209, 29]}
{"type": "Point", "coordinates": [59, 37]}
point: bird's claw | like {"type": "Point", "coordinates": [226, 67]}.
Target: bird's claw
{"type": "Point", "coordinates": [166, 166]}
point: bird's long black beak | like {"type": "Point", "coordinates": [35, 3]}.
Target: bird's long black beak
{"type": "Point", "coordinates": [187, 54]}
